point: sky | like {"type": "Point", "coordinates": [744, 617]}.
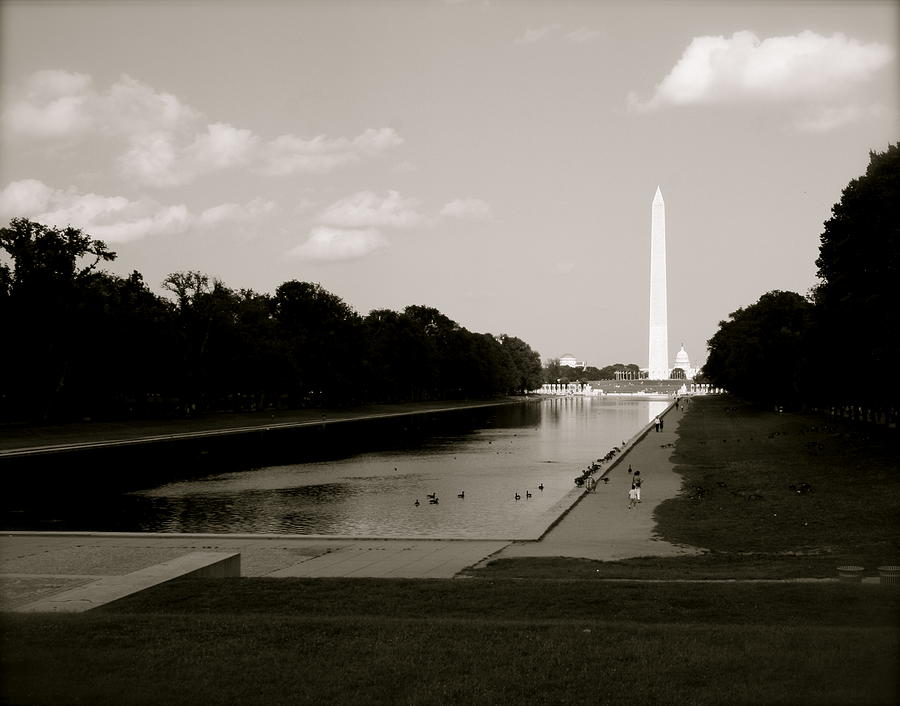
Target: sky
{"type": "Point", "coordinates": [494, 160]}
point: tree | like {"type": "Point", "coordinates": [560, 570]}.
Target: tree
{"type": "Point", "coordinates": [760, 351]}
{"type": "Point", "coordinates": [40, 296]}
{"type": "Point", "coordinates": [321, 335]}
{"type": "Point", "coordinates": [526, 363]}
{"type": "Point", "coordinates": [857, 300]}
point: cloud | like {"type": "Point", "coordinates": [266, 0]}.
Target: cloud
{"type": "Point", "coordinates": [165, 142]}
{"type": "Point", "coordinates": [55, 105]}
{"type": "Point", "coordinates": [331, 244]}
{"type": "Point", "coordinates": [289, 154]}
{"type": "Point", "coordinates": [154, 159]}
{"type": "Point", "coordinates": [62, 104]}
{"type": "Point", "coordinates": [115, 219]}
{"type": "Point", "coordinates": [745, 68]}
{"type": "Point", "coordinates": [535, 35]}
{"type": "Point", "coordinates": [583, 35]}
{"type": "Point", "coordinates": [366, 209]}
{"type": "Point", "coordinates": [351, 228]}
{"type": "Point", "coordinates": [466, 208]}
{"type": "Point", "coordinates": [235, 212]}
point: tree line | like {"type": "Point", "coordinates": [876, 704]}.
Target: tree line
{"type": "Point", "coordinates": [835, 347]}
{"type": "Point", "coordinates": [82, 342]}
{"type": "Point", "coordinates": [554, 372]}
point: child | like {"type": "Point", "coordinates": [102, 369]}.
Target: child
{"type": "Point", "coordinates": [636, 484]}
{"type": "Point", "coordinates": [632, 497]}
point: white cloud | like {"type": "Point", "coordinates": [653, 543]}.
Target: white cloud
{"type": "Point", "coordinates": [235, 212]}
{"type": "Point", "coordinates": [535, 35]}
{"type": "Point", "coordinates": [23, 198]}
{"type": "Point", "coordinates": [743, 67]}
{"type": "Point", "coordinates": [583, 35]}
{"type": "Point", "coordinates": [115, 219]}
{"type": "Point", "coordinates": [153, 158]}
{"type": "Point", "coordinates": [366, 209]}
{"type": "Point", "coordinates": [289, 154]}
{"type": "Point", "coordinates": [131, 107]}
{"type": "Point", "coordinates": [55, 105]}
{"type": "Point", "coordinates": [466, 208]}
{"type": "Point", "coordinates": [61, 104]}
{"type": "Point", "coordinates": [375, 142]}
{"type": "Point", "coordinates": [331, 244]}
{"type": "Point", "coordinates": [165, 142]}
{"type": "Point", "coordinates": [133, 226]}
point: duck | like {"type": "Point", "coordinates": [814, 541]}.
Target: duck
{"type": "Point", "coordinates": [541, 487]}
{"type": "Point", "coordinates": [417, 502]}
{"type": "Point", "coordinates": [527, 494]}
{"type": "Point", "coordinates": [433, 501]}
{"type": "Point", "coordinates": [518, 497]}
{"type": "Point", "coordinates": [431, 496]}
{"type": "Point", "coordinates": [461, 494]}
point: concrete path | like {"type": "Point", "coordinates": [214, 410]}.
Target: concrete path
{"type": "Point", "coordinates": [39, 565]}
{"type": "Point", "coordinates": [601, 526]}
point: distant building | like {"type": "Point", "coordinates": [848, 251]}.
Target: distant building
{"type": "Point", "coordinates": [684, 362]}
{"type": "Point", "coordinates": [570, 361]}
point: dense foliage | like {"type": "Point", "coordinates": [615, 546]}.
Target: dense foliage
{"type": "Point", "coordinates": [836, 347]}
{"type": "Point", "coordinates": [80, 342]}
{"type": "Point", "coordinates": [553, 372]}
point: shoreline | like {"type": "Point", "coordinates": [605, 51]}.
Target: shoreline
{"type": "Point", "coordinates": [120, 434]}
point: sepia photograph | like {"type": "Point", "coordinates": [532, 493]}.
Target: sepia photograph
{"type": "Point", "coordinates": [449, 352]}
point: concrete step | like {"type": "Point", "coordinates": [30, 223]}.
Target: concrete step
{"type": "Point", "coordinates": [112, 588]}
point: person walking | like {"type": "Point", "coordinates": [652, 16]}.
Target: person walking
{"type": "Point", "coordinates": [656, 423]}
{"type": "Point", "coordinates": [632, 497]}
{"type": "Point", "coordinates": [636, 483]}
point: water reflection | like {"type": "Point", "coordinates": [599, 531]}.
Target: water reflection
{"type": "Point", "coordinates": [515, 449]}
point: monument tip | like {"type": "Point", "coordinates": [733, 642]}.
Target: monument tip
{"type": "Point", "coordinates": [658, 196]}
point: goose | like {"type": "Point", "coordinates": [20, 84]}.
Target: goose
{"type": "Point", "coordinates": [518, 497]}
{"type": "Point", "coordinates": [433, 501]}
{"type": "Point", "coordinates": [417, 502]}
{"type": "Point", "coordinates": [541, 487]}
{"type": "Point", "coordinates": [462, 494]}
{"type": "Point", "coordinates": [431, 496]}
{"type": "Point", "coordinates": [527, 493]}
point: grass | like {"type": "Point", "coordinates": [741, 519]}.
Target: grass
{"type": "Point", "coordinates": [742, 470]}
{"type": "Point", "coordinates": [259, 641]}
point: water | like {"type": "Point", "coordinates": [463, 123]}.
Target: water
{"type": "Point", "coordinates": [512, 449]}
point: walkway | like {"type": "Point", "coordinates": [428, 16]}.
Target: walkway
{"type": "Point", "coordinates": [601, 526]}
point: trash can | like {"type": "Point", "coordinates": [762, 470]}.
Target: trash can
{"type": "Point", "coordinates": [889, 574]}
{"type": "Point", "coordinates": [851, 574]}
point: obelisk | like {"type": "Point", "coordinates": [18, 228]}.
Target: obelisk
{"type": "Point", "coordinates": [658, 367]}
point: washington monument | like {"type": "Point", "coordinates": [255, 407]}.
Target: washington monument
{"type": "Point", "coordinates": [658, 363]}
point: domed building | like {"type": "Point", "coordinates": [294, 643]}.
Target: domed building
{"type": "Point", "coordinates": [571, 361]}
{"type": "Point", "coordinates": [684, 362]}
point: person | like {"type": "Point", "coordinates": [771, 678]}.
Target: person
{"type": "Point", "coordinates": [632, 497]}
{"type": "Point", "coordinates": [656, 423]}
{"type": "Point", "coordinates": [636, 482]}
{"type": "Point", "coordinates": [661, 422]}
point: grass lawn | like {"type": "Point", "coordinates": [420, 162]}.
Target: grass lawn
{"type": "Point", "coordinates": [264, 641]}
{"type": "Point", "coordinates": [742, 471]}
